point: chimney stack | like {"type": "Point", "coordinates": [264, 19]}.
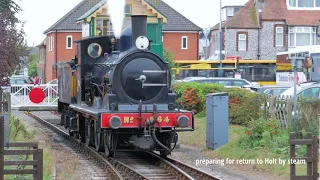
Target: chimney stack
{"type": "Point", "coordinates": [139, 27]}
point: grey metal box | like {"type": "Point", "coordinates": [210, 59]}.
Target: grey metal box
{"type": "Point", "coordinates": [217, 120]}
{"type": "Point", "coordinates": [6, 133]}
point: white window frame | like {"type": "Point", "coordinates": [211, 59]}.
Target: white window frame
{"type": "Point", "coordinates": [49, 43]}
{"type": "Point", "coordinates": [243, 39]}
{"type": "Point", "coordinates": [295, 7]}
{"type": "Point", "coordinates": [295, 30]}
{"type": "Point", "coordinates": [109, 25]}
{"type": "Point", "coordinates": [229, 9]}
{"type": "Point", "coordinates": [67, 37]}
{"type": "Point", "coordinates": [282, 34]}
{"type": "Point", "coordinates": [184, 37]}
{"type": "Point", "coordinates": [52, 41]}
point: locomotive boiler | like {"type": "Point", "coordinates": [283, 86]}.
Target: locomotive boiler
{"type": "Point", "coordinates": [116, 94]}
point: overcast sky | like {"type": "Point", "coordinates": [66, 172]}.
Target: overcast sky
{"type": "Point", "coordinates": [41, 14]}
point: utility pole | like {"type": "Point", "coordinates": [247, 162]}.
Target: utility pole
{"type": "Point", "coordinates": [220, 31]}
{"type": "Point", "coordinates": [294, 67]}
{"type": "Point", "coordinates": [296, 60]}
{"type": "Point", "coordinates": [206, 45]}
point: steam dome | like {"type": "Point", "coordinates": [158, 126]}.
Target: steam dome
{"type": "Point", "coordinates": [126, 39]}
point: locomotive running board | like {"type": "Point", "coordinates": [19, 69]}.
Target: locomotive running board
{"type": "Point", "coordinates": [143, 78]}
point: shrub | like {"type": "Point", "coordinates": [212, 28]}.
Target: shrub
{"type": "Point", "coordinates": [243, 105]}
{"type": "Point", "coordinates": [190, 100]}
{"type": "Point", "coordinates": [263, 133]}
{"type": "Point", "coordinates": [309, 116]}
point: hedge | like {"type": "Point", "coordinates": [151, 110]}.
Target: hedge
{"type": "Point", "coordinates": [243, 104]}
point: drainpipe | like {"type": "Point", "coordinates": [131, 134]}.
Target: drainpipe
{"type": "Point", "coordinates": [258, 43]}
{"type": "Point", "coordinates": [45, 64]}
{"type": "Point", "coordinates": [56, 39]}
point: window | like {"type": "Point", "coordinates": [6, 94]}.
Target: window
{"type": "Point", "coordinates": [279, 36]}
{"type": "Point", "coordinates": [104, 27]}
{"type": "Point", "coordinates": [184, 42]}
{"type": "Point", "coordinates": [311, 92]}
{"type": "Point", "coordinates": [225, 83]}
{"type": "Point", "coordinates": [239, 83]}
{"type": "Point", "coordinates": [302, 36]}
{"type": "Point", "coordinates": [242, 42]}
{"type": "Point", "coordinates": [302, 4]}
{"type": "Point", "coordinates": [230, 12]}
{"type": "Point", "coordinates": [49, 42]}
{"type": "Point", "coordinates": [127, 9]}
{"type": "Point", "coordinates": [69, 42]}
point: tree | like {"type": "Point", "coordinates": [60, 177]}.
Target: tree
{"type": "Point", "coordinates": [33, 60]}
{"type": "Point", "coordinates": [169, 57]}
{"type": "Point", "coordinates": [12, 45]}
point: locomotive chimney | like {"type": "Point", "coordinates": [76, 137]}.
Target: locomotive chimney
{"type": "Point", "coordinates": [139, 27]}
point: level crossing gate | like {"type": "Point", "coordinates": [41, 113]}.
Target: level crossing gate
{"type": "Point", "coordinates": [20, 96]}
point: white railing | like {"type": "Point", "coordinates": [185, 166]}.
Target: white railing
{"type": "Point", "coordinates": [20, 95]}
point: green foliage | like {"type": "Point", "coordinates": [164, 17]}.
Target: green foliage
{"type": "Point", "coordinates": [33, 61]}
{"type": "Point", "coordinates": [243, 105]}
{"type": "Point", "coordinates": [18, 131]}
{"type": "Point", "coordinates": [308, 116]}
{"type": "Point", "coordinates": [169, 57]}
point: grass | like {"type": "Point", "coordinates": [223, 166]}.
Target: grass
{"type": "Point", "coordinates": [233, 150]}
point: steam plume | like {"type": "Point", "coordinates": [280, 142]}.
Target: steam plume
{"type": "Point", "coordinates": [116, 13]}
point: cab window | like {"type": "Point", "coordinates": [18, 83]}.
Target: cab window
{"type": "Point", "coordinates": [311, 92]}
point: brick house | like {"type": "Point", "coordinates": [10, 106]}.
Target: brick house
{"type": "Point", "coordinates": [180, 35]}
{"type": "Point", "coordinates": [59, 44]}
{"type": "Point", "coordinates": [262, 28]}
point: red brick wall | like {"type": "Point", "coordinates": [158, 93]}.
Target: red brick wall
{"type": "Point", "coordinates": [59, 50]}
{"type": "Point", "coordinates": [172, 43]}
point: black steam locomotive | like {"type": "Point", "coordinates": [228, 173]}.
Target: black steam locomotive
{"type": "Point", "coordinates": [115, 95]}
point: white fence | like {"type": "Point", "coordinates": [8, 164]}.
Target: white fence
{"type": "Point", "coordinates": [20, 95]}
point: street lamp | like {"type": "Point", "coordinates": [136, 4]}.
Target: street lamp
{"type": "Point", "coordinates": [220, 31]}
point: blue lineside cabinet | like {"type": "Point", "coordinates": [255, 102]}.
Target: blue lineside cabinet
{"type": "Point", "coordinates": [217, 120]}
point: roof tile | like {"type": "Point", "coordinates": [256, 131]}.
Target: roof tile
{"type": "Point", "coordinates": [68, 21]}
{"type": "Point", "coordinates": [176, 21]}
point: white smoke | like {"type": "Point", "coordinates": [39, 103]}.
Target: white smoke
{"type": "Point", "coordinates": [116, 13]}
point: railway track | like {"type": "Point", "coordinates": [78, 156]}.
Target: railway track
{"type": "Point", "coordinates": [134, 165]}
